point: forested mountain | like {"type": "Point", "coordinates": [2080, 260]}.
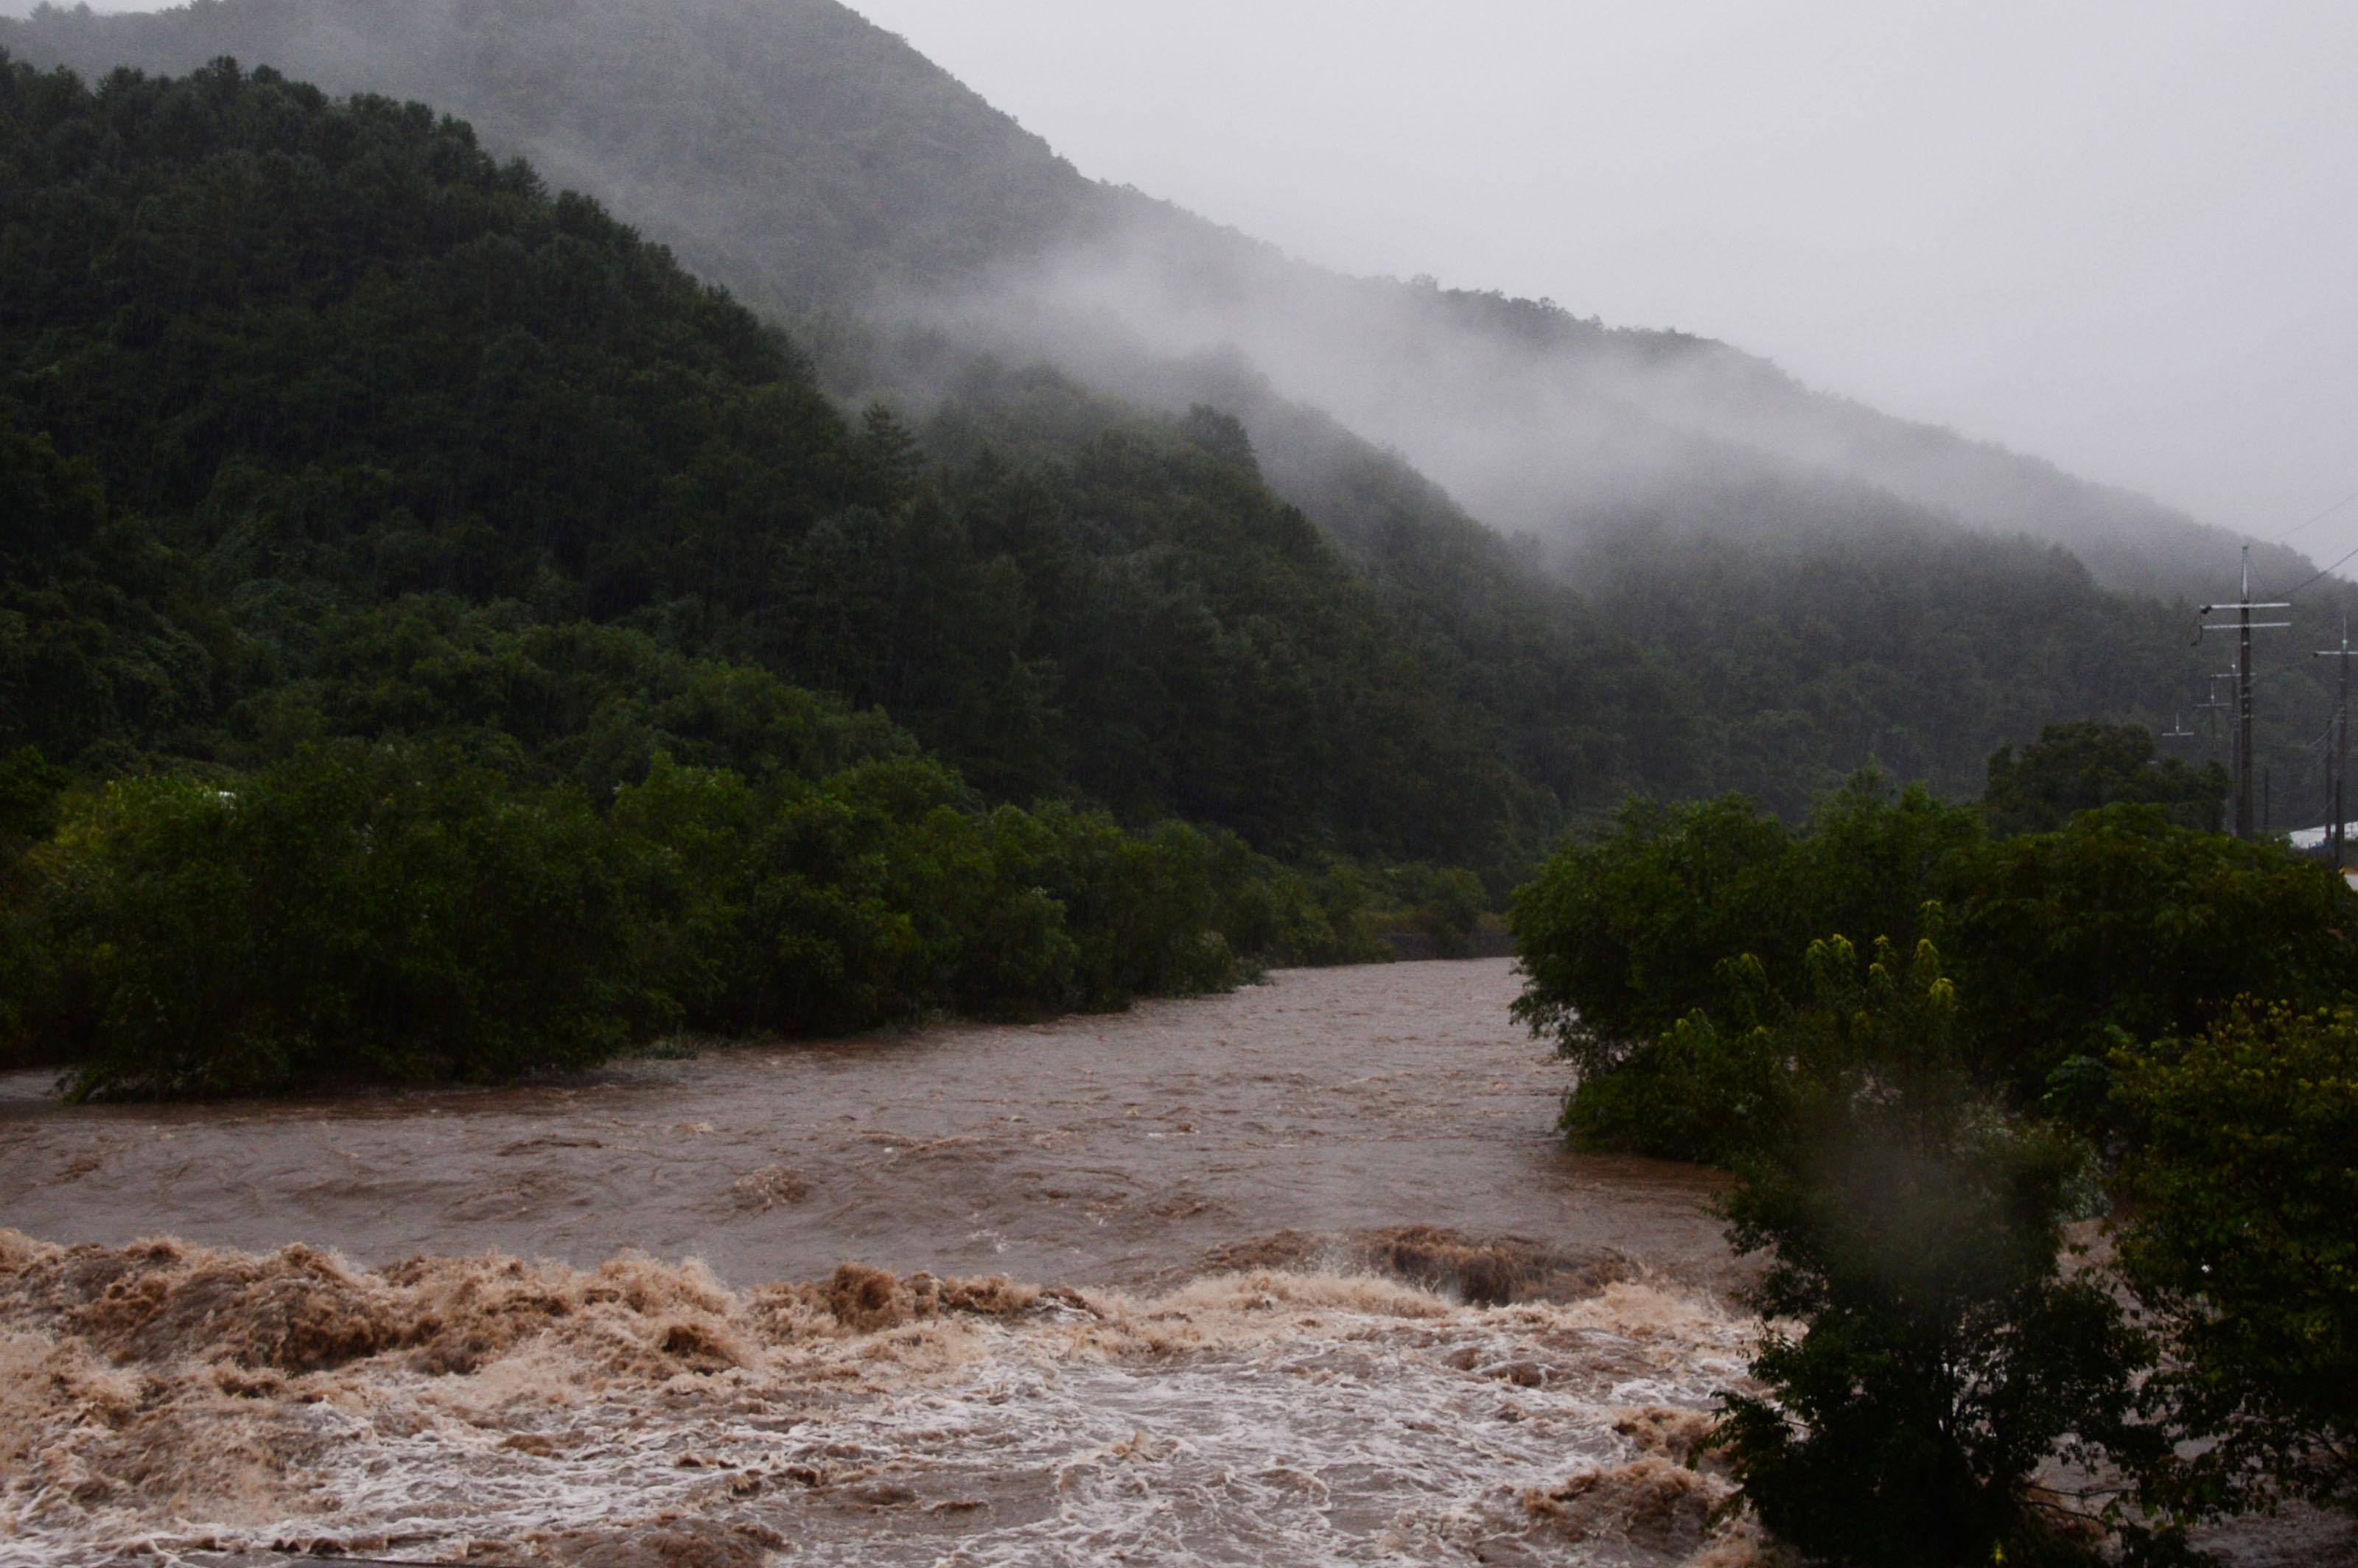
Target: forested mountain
{"type": "Point", "coordinates": [790, 150]}
{"type": "Point", "coordinates": [817, 164]}
{"type": "Point", "coordinates": [1694, 664]}
{"type": "Point", "coordinates": [339, 376]}
{"type": "Point", "coordinates": [1760, 622]}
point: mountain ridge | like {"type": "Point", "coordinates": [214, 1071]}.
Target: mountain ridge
{"type": "Point", "coordinates": [741, 135]}
{"type": "Point", "coordinates": [1768, 625]}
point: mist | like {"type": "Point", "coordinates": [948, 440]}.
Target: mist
{"type": "Point", "coordinates": [750, 136]}
{"type": "Point", "coordinates": [1536, 421]}
{"type": "Point", "coordinates": [2118, 236]}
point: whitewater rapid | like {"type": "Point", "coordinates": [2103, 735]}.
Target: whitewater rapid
{"type": "Point", "coordinates": [192, 1404]}
{"type": "Point", "coordinates": [1298, 1274]}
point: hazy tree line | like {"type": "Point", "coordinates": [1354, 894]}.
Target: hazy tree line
{"type": "Point", "coordinates": [439, 636]}
{"type": "Point", "coordinates": [407, 567]}
{"type": "Point", "coordinates": [1929, 1037]}
{"type": "Point", "coordinates": [322, 427]}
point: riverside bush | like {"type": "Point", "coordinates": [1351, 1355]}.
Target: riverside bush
{"type": "Point", "coordinates": [2121, 926]}
{"type": "Point", "coordinates": [358, 912]}
{"type": "Point", "coordinates": [1931, 1356]}
{"type": "Point", "coordinates": [407, 911]}
{"type": "Point", "coordinates": [2243, 1243]}
{"type": "Point", "coordinates": [1927, 1356]}
{"type": "Point", "coordinates": [1910, 1137]}
{"type": "Point", "coordinates": [1650, 950]}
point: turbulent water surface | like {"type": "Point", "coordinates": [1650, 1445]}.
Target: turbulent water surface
{"type": "Point", "coordinates": [1093, 1150]}
{"type": "Point", "coordinates": [1297, 1275]}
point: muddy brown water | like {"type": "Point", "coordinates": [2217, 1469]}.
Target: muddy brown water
{"type": "Point", "coordinates": [1295, 1275]}
{"type": "Point", "coordinates": [1103, 1150]}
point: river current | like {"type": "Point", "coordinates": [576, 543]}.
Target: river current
{"type": "Point", "coordinates": [1299, 1274]}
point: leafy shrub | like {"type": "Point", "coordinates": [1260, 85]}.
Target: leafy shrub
{"type": "Point", "coordinates": [1711, 1089]}
{"type": "Point", "coordinates": [2122, 928]}
{"type": "Point", "coordinates": [1651, 951]}
{"type": "Point", "coordinates": [1625, 935]}
{"type": "Point", "coordinates": [1943, 1358]}
{"type": "Point", "coordinates": [355, 911]}
{"type": "Point", "coordinates": [2243, 1243]}
{"type": "Point", "coordinates": [401, 911]}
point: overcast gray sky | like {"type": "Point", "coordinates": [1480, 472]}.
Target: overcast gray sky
{"type": "Point", "coordinates": [2119, 234]}
{"type": "Point", "coordinates": [2124, 236]}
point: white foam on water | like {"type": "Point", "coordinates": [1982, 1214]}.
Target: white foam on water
{"type": "Point", "coordinates": [1253, 1418]}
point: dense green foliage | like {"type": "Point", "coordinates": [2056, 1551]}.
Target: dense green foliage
{"type": "Point", "coordinates": [1627, 931]}
{"type": "Point", "coordinates": [398, 910]}
{"type": "Point", "coordinates": [1941, 1359]}
{"type": "Point", "coordinates": [461, 630]}
{"type": "Point", "coordinates": [1911, 1134]}
{"type": "Point", "coordinates": [2121, 928]}
{"type": "Point", "coordinates": [2078, 767]}
{"type": "Point", "coordinates": [371, 917]}
{"type": "Point", "coordinates": [2244, 1244]}
{"type": "Point", "coordinates": [328, 354]}
{"type": "Point", "coordinates": [1652, 950]}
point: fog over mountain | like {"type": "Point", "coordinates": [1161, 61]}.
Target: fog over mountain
{"type": "Point", "coordinates": [2113, 233]}
{"type": "Point", "coordinates": [1645, 560]}
{"type": "Point", "coordinates": [825, 170]}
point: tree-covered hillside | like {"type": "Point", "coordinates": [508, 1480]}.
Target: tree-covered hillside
{"type": "Point", "coordinates": [458, 628]}
{"type": "Point", "coordinates": [324, 357]}
{"type": "Point", "coordinates": [1674, 655]}
{"type": "Point", "coordinates": [817, 164]}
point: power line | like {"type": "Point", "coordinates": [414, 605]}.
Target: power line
{"type": "Point", "coordinates": [2322, 572]}
{"type": "Point", "coordinates": [2316, 517]}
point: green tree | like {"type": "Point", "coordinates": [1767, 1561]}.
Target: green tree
{"type": "Point", "coordinates": [1938, 1357]}
{"type": "Point", "coordinates": [1652, 950]}
{"type": "Point", "coordinates": [2242, 1244]}
{"type": "Point", "coordinates": [1625, 935]}
{"type": "Point", "coordinates": [351, 913]}
{"type": "Point", "coordinates": [2079, 767]}
{"type": "Point", "coordinates": [2122, 928]}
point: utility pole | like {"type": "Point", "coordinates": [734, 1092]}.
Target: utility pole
{"type": "Point", "coordinates": [2243, 626]}
{"type": "Point", "coordinates": [2178, 730]}
{"type": "Point", "coordinates": [2214, 705]}
{"type": "Point", "coordinates": [2339, 755]}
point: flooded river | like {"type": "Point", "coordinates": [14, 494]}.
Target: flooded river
{"type": "Point", "coordinates": [1295, 1275]}
{"type": "Point", "coordinates": [1115, 1150]}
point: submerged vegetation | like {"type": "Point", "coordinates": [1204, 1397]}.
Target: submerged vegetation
{"type": "Point", "coordinates": [1923, 1050]}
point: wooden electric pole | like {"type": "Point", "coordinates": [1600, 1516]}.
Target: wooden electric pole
{"type": "Point", "coordinates": [2337, 753]}
{"type": "Point", "coordinates": [2243, 626]}
{"type": "Point", "coordinates": [2214, 705]}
